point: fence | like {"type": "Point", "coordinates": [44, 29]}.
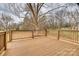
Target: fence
{"type": "Point", "coordinates": [6, 37]}
{"type": "Point", "coordinates": [69, 35]}
{"type": "Point", "coordinates": [21, 34]}
{"type": "Point", "coordinates": [2, 41]}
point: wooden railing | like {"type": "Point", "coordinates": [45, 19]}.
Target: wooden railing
{"type": "Point", "coordinates": [73, 35]}
{"type": "Point", "coordinates": [21, 34]}
{"type": "Point", "coordinates": [2, 41]}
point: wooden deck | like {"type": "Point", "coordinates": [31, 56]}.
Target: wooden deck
{"type": "Point", "coordinates": [41, 46]}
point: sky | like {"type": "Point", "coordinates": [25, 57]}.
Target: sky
{"type": "Point", "coordinates": [4, 9]}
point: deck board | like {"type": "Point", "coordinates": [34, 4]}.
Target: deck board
{"type": "Point", "coordinates": [41, 46]}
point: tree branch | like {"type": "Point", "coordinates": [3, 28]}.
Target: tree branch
{"type": "Point", "coordinates": [52, 10]}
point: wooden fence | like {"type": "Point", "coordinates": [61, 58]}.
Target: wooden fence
{"type": "Point", "coordinates": [71, 35]}
{"type": "Point", "coordinates": [21, 34]}
{"type": "Point", "coordinates": [6, 37]}
{"type": "Point", "coordinates": [2, 41]}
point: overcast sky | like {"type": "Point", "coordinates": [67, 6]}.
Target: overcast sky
{"type": "Point", "coordinates": [4, 8]}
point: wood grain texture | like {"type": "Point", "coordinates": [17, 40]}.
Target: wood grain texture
{"type": "Point", "coordinates": [41, 46]}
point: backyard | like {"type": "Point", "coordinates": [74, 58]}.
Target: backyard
{"type": "Point", "coordinates": [39, 29]}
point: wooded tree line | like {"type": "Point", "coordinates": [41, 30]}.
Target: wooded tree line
{"type": "Point", "coordinates": [40, 16]}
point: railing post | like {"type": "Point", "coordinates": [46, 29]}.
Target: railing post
{"type": "Point", "coordinates": [5, 44]}
{"type": "Point", "coordinates": [58, 34]}
{"type": "Point", "coordinates": [33, 34]}
{"type": "Point", "coordinates": [10, 36]}
{"type": "Point", "coordinates": [45, 32]}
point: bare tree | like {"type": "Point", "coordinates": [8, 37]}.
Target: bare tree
{"type": "Point", "coordinates": [6, 21]}
{"type": "Point", "coordinates": [34, 10]}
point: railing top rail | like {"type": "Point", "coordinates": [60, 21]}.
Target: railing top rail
{"type": "Point", "coordinates": [2, 32]}
{"type": "Point", "coordinates": [69, 30]}
{"type": "Point", "coordinates": [25, 30]}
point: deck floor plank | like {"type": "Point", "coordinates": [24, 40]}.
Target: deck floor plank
{"type": "Point", "coordinates": [41, 46]}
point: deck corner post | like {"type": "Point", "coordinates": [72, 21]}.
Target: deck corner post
{"type": "Point", "coordinates": [10, 36]}
{"type": "Point", "coordinates": [5, 42]}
